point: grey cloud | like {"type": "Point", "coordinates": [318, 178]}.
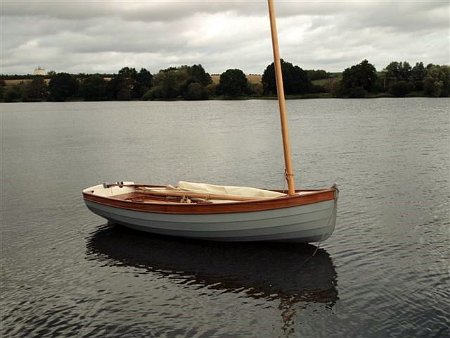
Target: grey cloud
{"type": "Point", "coordinates": [402, 16]}
{"type": "Point", "coordinates": [166, 10]}
{"type": "Point", "coordinates": [91, 36]}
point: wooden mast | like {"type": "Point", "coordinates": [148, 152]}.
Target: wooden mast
{"type": "Point", "coordinates": [281, 101]}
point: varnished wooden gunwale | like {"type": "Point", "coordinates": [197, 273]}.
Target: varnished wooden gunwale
{"type": "Point", "coordinates": [168, 207]}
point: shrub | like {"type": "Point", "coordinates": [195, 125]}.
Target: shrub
{"type": "Point", "coordinates": [196, 91]}
{"type": "Point", "coordinates": [401, 88]}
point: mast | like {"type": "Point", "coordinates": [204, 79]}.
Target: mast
{"type": "Point", "coordinates": [281, 101]}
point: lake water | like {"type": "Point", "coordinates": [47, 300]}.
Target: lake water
{"type": "Point", "coordinates": [384, 272]}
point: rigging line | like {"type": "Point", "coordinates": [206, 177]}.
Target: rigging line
{"type": "Point", "coordinates": [321, 237]}
{"type": "Point", "coordinates": [329, 219]}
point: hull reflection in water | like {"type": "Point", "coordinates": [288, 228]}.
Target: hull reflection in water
{"type": "Point", "coordinates": [290, 272]}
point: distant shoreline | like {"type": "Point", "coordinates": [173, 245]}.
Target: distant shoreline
{"type": "Point", "coordinates": [193, 83]}
{"type": "Point", "coordinates": [247, 98]}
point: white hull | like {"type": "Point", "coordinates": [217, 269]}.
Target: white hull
{"type": "Point", "coordinates": [304, 223]}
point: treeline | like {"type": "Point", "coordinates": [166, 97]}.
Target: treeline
{"type": "Point", "coordinates": [398, 79]}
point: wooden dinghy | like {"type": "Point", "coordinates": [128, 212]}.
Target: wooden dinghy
{"type": "Point", "coordinates": [250, 215]}
{"type": "Point", "coordinates": [223, 213]}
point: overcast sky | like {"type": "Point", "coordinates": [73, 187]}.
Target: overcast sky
{"type": "Point", "coordinates": [105, 35]}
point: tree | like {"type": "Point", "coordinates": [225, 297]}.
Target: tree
{"type": "Point", "coordinates": [142, 84]}
{"type": "Point", "coordinates": [199, 75]}
{"type": "Point", "coordinates": [418, 73]}
{"type": "Point", "coordinates": [359, 79]}
{"type": "Point", "coordinates": [437, 81]}
{"type": "Point", "coordinates": [36, 90]}
{"type": "Point", "coordinates": [398, 71]}
{"type": "Point", "coordinates": [400, 88]}
{"type": "Point", "coordinates": [233, 83]}
{"type": "Point", "coordinates": [62, 86]}
{"type": "Point", "coordinates": [129, 84]}
{"type": "Point", "coordinates": [295, 79]}
{"type": "Point", "coordinates": [169, 83]}
{"type": "Point", "coordinates": [189, 82]}
{"type": "Point", "coordinates": [392, 71]}
{"type": "Point", "coordinates": [318, 74]}
{"type": "Point", "coordinates": [404, 71]}
{"type": "Point", "coordinates": [2, 89]}
{"type": "Point", "coordinates": [123, 84]}
{"type": "Point", "coordinates": [13, 93]}
{"type": "Point", "coordinates": [196, 91]}
{"type": "Point", "coordinates": [197, 84]}
{"type": "Point", "coordinates": [93, 88]}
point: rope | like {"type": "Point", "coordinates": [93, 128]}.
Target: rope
{"type": "Point", "coordinates": [284, 181]}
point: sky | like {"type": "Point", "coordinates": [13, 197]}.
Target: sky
{"type": "Point", "coordinates": [103, 36]}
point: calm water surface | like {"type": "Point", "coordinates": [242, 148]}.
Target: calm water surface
{"type": "Point", "coordinates": [384, 272]}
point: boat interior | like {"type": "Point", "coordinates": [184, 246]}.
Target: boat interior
{"type": "Point", "coordinates": [185, 193]}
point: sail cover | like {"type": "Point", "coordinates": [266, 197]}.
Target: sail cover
{"type": "Point", "coordinates": [204, 188]}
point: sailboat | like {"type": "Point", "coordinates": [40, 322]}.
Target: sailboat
{"type": "Point", "coordinates": [223, 213]}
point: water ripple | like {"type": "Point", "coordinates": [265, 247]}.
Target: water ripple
{"type": "Point", "coordinates": [384, 272]}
